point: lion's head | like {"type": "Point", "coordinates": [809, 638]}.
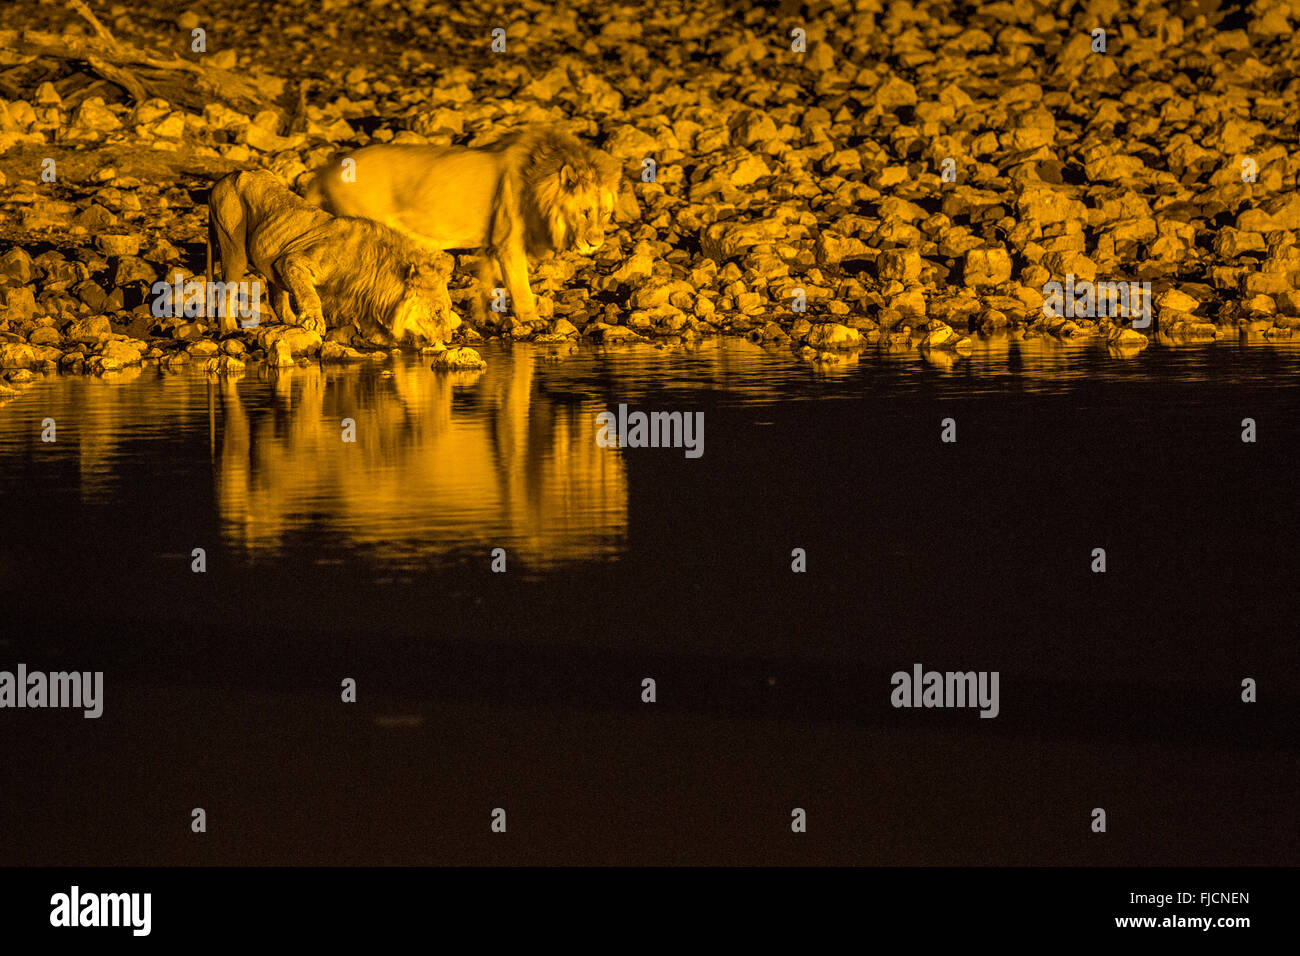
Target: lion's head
{"type": "Point", "coordinates": [575, 188]}
{"type": "Point", "coordinates": [423, 312]}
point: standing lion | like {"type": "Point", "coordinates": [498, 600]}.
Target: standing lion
{"type": "Point", "coordinates": [349, 271]}
{"type": "Point", "coordinates": [531, 193]}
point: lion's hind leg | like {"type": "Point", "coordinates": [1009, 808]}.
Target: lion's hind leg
{"type": "Point", "coordinates": [487, 283]}
{"type": "Point", "coordinates": [295, 272]}
{"type": "Point", "coordinates": [227, 230]}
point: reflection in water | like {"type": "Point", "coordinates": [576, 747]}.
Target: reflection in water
{"type": "Point", "coordinates": [440, 463]}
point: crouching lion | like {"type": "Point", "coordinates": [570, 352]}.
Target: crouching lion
{"type": "Point", "coordinates": [344, 270]}
{"type": "Point", "coordinates": [531, 193]}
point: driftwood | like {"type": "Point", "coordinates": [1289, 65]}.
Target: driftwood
{"type": "Point", "coordinates": [142, 74]}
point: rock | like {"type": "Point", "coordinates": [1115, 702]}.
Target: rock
{"type": "Point", "coordinates": [740, 171]}
{"type": "Point", "coordinates": [640, 266]}
{"type": "Point", "coordinates": [278, 354]}
{"type": "Point", "coordinates": [901, 265]}
{"type": "Point", "coordinates": [832, 249]}
{"type": "Point", "coordinates": [628, 142]}
{"type": "Point", "coordinates": [1256, 220]}
{"type": "Point", "coordinates": [1266, 283]}
{"type": "Point", "coordinates": [606, 334]}
{"type": "Point", "coordinates": [751, 127]}
{"type": "Point", "coordinates": [130, 269]}
{"type": "Point", "coordinates": [300, 341]}
{"type": "Point", "coordinates": [16, 266]}
{"type": "Point", "coordinates": [171, 126]}
{"type": "Point", "coordinates": [224, 365]}
{"type": "Point", "coordinates": [90, 331]}
{"type": "Point", "coordinates": [266, 141]}
{"type": "Point", "coordinates": [17, 303]}
{"type": "Point", "coordinates": [1262, 305]}
{"type": "Point", "coordinates": [111, 245]}
{"type": "Point", "coordinates": [655, 292]}
{"type": "Point", "coordinates": [45, 335]}
{"type": "Point", "coordinates": [461, 357]}
{"type": "Point", "coordinates": [894, 92]}
{"type": "Point", "coordinates": [335, 352]}
{"type": "Point", "coordinates": [1126, 338]}
{"type": "Point", "coordinates": [116, 355]}
{"type": "Point", "coordinates": [1177, 301]}
{"type": "Point", "coordinates": [17, 355]}
{"type": "Point", "coordinates": [940, 335]}
{"type": "Point", "coordinates": [989, 266]}
{"type": "Point", "coordinates": [95, 216]}
{"type": "Point", "coordinates": [221, 117]}
{"type": "Point", "coordinates": [1031, 129]}
{"type": "Point", "coordinates": [832, 335]}
{"type": "Point", "coordinates": [188, 331]}
{"type": "Point", "coordinates": [991, 320]}
{"type": "Point", "coordinates": [92, 119]}
{"type": "Point", "coordinates": [726, 240]}
{"type": "Point", "coordinates": [1188, 330]}
{"type": "Point", "coordinates": [1045, 205]}
{"type": "Point", "coordinates": [91, 294]}
{"type": "Point", "coordinates": [1288, 303]}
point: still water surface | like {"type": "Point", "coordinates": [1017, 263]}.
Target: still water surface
{"type": "Point", "coordinates": [151, 464]}
{"type": "Point", "coordinates": [372, 559]}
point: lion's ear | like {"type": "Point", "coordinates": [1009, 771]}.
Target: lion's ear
{"type": "Point", "coordinates": [568, 178]}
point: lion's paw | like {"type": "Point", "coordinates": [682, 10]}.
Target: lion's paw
{"type": "Point", "coordinates": [313, 321]}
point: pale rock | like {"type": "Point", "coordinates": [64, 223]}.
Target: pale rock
{"type": "Point", "coordinates": [461, 357]}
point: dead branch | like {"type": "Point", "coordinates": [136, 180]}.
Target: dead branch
{"type": "Point", "coordinates": [142, 74]}
{"type": "Point", "coordinates": [77, 6]}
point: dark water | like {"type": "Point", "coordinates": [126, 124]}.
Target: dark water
{"type": "Point", "coordinates": [371, 560]}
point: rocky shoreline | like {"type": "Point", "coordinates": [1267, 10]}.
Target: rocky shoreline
{"type": "Point", "coordinates": [901, 183]}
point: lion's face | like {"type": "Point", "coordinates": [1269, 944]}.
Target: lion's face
{"type": "Point", "coordinates": [424, 312]}
{"type": "Point", "coordinates": [591, 213]}
{"type": "Point", "coordinates": [584, 208]}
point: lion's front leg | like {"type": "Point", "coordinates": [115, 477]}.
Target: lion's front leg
{"type": "Point", "coordinates": [296, 273]}
{"type": "Point", "coordinates": [514, 270]}
{"type": "Point", "coordinates": [281, 306]}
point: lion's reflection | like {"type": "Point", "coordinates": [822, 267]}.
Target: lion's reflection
{"type": "Point", "coordinates": [440, 463]}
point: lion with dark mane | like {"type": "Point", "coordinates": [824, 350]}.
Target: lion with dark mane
{"type": "Point", "coordinates": [531, 193]}
{"type": "Point", "coordinates": [344, 270]}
